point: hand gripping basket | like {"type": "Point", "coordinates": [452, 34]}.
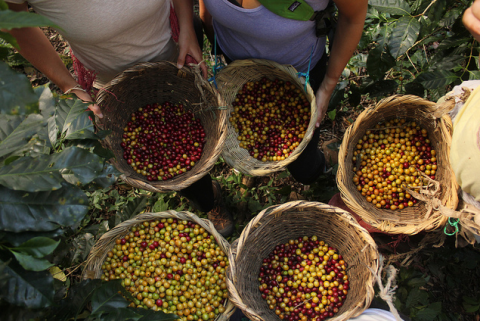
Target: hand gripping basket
{"type": "Point", "coordinates": [230, 80]}
{"type": "Point", "coordinates": [424, 216]}
{"type": "Point", "coordinates": [99, 252]}
{"type": "Point", "coordinates": [148, 83]}
{"type": "Point", "coordinates": [278, 224]}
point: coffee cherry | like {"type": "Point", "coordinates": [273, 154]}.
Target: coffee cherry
{"type": "Point", "coordinates": [172, 266]}
{"type": "Point", "coordinates": [304, 279]}
{"type": "Point", "coordinates": [162, 141]}
{"type": "Point", "coordinates": [390, 158]}
{"type": "Point", "coordinates": [270, 118]}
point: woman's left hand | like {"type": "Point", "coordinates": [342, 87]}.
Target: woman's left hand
{"type": "Point", "coordinates": [188, 45]}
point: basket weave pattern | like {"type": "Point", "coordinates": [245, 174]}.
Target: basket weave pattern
{"type": "Point", "coordinates": [148, 83]}
{"type": "Point", "coordinates": [278, 224]}
{"type": "Point", "coordinates": [93, 268]}
{"type": "Point", "coordinates": [230, 80]}
{"type": "Point", "coordinates": [410, 220]}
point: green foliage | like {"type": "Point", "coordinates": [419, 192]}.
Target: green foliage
{"type": "Point", "coordinates": [414, 47]}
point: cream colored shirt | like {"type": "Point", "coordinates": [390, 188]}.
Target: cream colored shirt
{"type": "Point", "coordinates": [465, 149]}
{"type": "Point", "coordinates": [109, 36]}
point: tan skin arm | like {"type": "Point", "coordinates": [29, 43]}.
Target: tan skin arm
{"type": "Point", "coordinates": [37, 49]}
{"type": "Point", "coordinates": [471, 19]}
{"type": "Point", "coordinates": [206, 18]}
{"type": "Point", "coordinates": [187, 40]}
{"type": "Point", "coordinates": [351, 18]}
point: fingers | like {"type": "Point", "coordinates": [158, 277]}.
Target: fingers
{"type": "Point", "coordinates": [96, 110]}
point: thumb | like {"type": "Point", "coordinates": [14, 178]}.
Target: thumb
{"type": "Point", "coordinates": [181, 59]}
{"type": "Point", "coordinates": [96, 110]}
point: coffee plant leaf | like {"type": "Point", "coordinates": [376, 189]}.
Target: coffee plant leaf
{"type": "Point", "coordinates": [16, 93]}
{"type": "Point", "coordinates": [67, 111]}
{"type": "Point", "coordinates": [379, 62]}
{"type": "Point", "coordinates": [132, 208]}
{"type": "Point", "coordinates": [24, 288]}
{"type": "Point", "coordinates": [47, 172]}
{"type": "Point", "coordinates": [107, 296]}
{"type": "Point", "coordinates": [430, 312]}
{"type": "Point", "coordinates": [394, 7]}
{"type": "Point", "coordinates": [105, 179]}
{"type": "Point", "coordinates": [474, 74]}
{"type": "Point", "coordinates": [450, 17]}
{"type": "Point", "coordinates": [452, 42]}
{"type": "Point", "coordinates": [16, 131]}
{"type": "Point", "coordinates": [46, 101]}
{"type": "Point", "coordinates": [37, 247]}
{"type": "Point", "coordinates": [9, 39]}
{"type": "Point", "coordinates": [76, 300]}
{"type": "Point", "coordinates": [82, 245]}
{"type": "Point", "coordinates": [448, 62]}
{"type": "Point", "coordinates": [381, 88]}
{"type": "Point", "coordinates": [22, 211]}
{"type": "Point", "coordinates": [403, 36]}
{"type": "Point", "coordinates": [415, 88]}
{"type": "Point", "coordinates": [31, 263]}
{"type": "Point", "coordinates": [436, 79]}
{"type": "Point", "coordinates": [11, 19]}
{"type": "Point", "coordinates": [16, 239]}
{"type": "Point", "coordinates": [150, 315]}
{"type": "Point", "coordinates": [81, 127]}
{"type": "Point", "coordinates": [437, 10]}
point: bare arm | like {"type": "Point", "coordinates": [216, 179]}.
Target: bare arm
{"type": "Point", "coordinates": [37, 49]}
{"type": "Point", "coordinates": [207, 21]}
{"type": "Point", "coordinates": [187, 40]}
{"type": "Point", "coordinates": [471, 19]}
{"type": "Point", "coordinates": [351, 18]}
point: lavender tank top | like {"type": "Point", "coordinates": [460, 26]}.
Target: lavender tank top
{"type": "Point", "coordinates": [259, 33]}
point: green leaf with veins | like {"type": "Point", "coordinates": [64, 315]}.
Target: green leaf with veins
{"type": "Point", "coordinates": [47, 172]}
{"type": "Point", "coordinates": [16, 93]}
{"type": "Point", "coordinates": [16, 132]}
{"type": "Point", "coordinates": [22, 211]}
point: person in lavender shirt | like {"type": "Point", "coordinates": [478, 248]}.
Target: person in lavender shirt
{"type": "Point", "coordinates": [245, 29]}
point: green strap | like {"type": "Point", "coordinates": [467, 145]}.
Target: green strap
{"type": "Point", "coordinates": [291, 9]}
{"type": "Point", "coordinates": [454, 223]}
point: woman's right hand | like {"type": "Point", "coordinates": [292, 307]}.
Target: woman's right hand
{"type": "Point", "coordinates": [86, 98]}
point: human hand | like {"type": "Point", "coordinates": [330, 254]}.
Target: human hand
{"type": "Point", "coordinates": [471, 19]}
{"type": "Point", "coordinates": [86, 98]}
{"type": "Point", "coordinates": [188, 45]}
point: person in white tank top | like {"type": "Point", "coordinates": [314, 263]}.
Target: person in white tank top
{"type": "Point", "coordinates": [107, 36]}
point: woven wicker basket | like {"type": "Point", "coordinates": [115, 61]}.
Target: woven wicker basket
{"type": "Point", "coordinates": [410, 220]}
{"type": "Point", "coordinates": [148, 83]}
{"type": "Point", "coordinates": [99, 252]}
{"type": "Point", "coordinates": [230, 80]}
{"type": "Point", "coordinates": [276, 225]}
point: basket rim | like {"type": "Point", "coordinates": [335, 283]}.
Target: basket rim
{"type": "Point", "coordinates": [264, 168]}
{"type": "Point", "coordinates": [107, 240]}
{"type": "Point", "coordinates": [236, 250]}
{"type": "Point", "coordinates": [177, 183]}
{"type": "Point", "coordinates": [436, 220]}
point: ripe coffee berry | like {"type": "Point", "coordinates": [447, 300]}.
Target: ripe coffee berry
{"type": "Point", "coordinates": [270, 118]}
{"type": "Point", "coordinates": [172, 266]}
{"type": "Point", "coordinates": [391, 157]}
{"type": "Point", "coordinates": [304, 279]}
{"type": "Point", "coordinates": [162, 141]}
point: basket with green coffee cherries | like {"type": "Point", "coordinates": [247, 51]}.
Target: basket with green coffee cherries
{"type": "Point", "coordinates": [172, 266]}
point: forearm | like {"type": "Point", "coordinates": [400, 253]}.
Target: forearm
{"type": "Point", "coordinates": [184, 11]}
{"type": "Point", "coordinates": [37, 49]}
{"type": "Point", "coordinates": [207, 21]}
{"type": "Point", "coordinates": [347, 36]}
